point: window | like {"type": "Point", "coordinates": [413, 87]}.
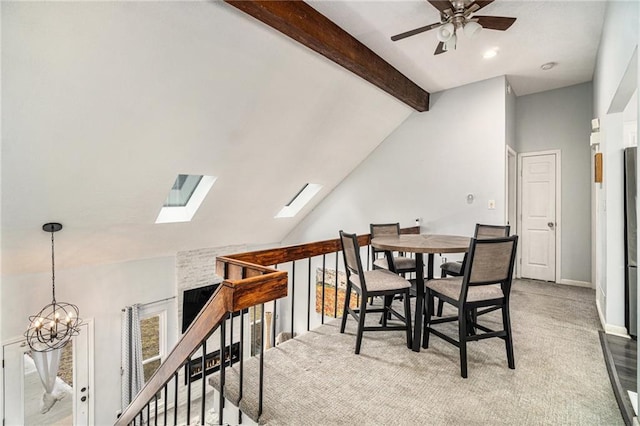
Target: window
{"type": "Point", "coordinates": [306, 193]}
{"type": "Point", "coordinates": [153, 333]}
{"type": "Point", "coordinates": [184, 198]}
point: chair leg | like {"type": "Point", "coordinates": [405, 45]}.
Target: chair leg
{"type": "Point", "coordinates": [363, 310]}
{"type": "Point", "coordinates": [506, 321]}
{"type": "Point", "coordinates": [471, 319]}
{"type": "Point", "coordinates": [427, 319]}
{"type": "Point", "coordinates": [386, 315]}
{"type": "Point", "coordinates": [345, 310]}
{"type": "Point", "coordinates": [407, 318]}
{"type": "Point", "coordinates": [462, 339]}
{"type": "Point", "coordinates": [440, 306]}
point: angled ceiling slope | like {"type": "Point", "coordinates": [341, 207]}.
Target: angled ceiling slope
{"type": "Point", "coordinates": [105, 103]}
{"type": "Point", "coordinates": [309, 27]}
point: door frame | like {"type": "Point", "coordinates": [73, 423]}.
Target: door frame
{"type": "Point", "coordinates": [511, 183]}
{"type": "Point", "coordinates": [511, 153]}
{"type": "Point", "coordinates": [558, 225]}
{"type": "Point", "coordinates": [88, 323]}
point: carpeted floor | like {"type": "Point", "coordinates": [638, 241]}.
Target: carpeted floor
{"type": "Point", "coordinates": [560, 376]}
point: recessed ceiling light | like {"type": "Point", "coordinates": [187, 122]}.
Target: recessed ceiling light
{"type": "Point", "coordinates": [491, 53]}
{"type": "Point", "coordinates": [548, 66]}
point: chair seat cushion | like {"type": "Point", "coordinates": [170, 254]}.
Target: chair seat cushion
{"type": "Point", "coordinates": [450, 287]}
{"type": "Point", "coordinates": [381, 280]}
{"type": "Point", "coordinates": [452, 268]}
{"type": "Point", "coordinates": [401, 263]}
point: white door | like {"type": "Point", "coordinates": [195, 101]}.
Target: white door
{"type": "Point", "coordinates": [539, 225]}
{"type": "Point", "coordinates": [23, 391]}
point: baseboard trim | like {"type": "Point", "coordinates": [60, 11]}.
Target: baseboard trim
{"type": "Point", "coordinates": [616, 330]}
{"type": "Point", "coordinates": [576, 283]}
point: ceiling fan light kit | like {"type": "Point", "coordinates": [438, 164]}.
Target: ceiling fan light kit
{"type": "Point", "coordinates": [445, 32]}
{"type": "Point", "coordinates": [472, 29]}
{"type": "Point", "coordinates": [451, 43]}
{"type": "Point", "coordinates": [455, 16]}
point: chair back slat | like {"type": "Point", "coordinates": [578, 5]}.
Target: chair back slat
{"type": "Point", "coordinates": [491, 231]}
{"type": "Point", "coordinates": [384, 229]}
{"type": "Point", "coordinates": [492, 261]}
{"type": "Point", "coordinates": [351, 251]}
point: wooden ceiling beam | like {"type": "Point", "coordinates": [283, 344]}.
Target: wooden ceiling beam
{"type": "Point", "coordinates": [309, 27]}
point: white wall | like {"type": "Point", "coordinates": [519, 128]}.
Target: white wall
{"type": "Point", "coordinates": [561, 119]}
{"type": "Point", "coordinates": [425, 169]}
{"type": "Point", "coordinates": [100, 293]}
{"type": "Point", "coordinates": [617, 46]}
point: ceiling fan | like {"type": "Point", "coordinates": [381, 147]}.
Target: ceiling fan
{"type": "Point", "coordinates": [456, 16]}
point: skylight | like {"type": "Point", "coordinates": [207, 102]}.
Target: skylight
{"type": "Point", "coordinates": [308, 191]}
{"type": "Point", "coordinates": [185, 197]}
{"type": "Point", "coordinates": [182, 190]}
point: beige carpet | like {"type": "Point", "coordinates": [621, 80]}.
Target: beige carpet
{"type": "Point", "coordinates": [560, 376]}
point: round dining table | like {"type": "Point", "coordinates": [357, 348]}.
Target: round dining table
{"type": "Point", "coordinates": [421, 244]}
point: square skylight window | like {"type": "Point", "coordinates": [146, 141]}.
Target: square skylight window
{"type": "Point", "coordinates": [185, 197]}
{"type": "Point", "coordinates": [308, 191]}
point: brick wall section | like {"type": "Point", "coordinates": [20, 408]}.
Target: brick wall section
{"type": "Point", "coordinates": [197, 268]}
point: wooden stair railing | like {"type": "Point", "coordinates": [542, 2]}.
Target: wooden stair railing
{"type": "Point", "coordinates": [245, 285]}
{"type": "Point", "coordinates": [248, 281]}
{"type": "Point", "coordinates": [276, 256]}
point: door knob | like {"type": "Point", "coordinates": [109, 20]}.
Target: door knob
{"type": "Point", "coordinates": [550, 225]}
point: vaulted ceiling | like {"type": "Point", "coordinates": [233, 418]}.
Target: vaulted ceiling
{"type": "Point", "coordinates": [563, 31]}
{"type": "Point", "coordinates": [104, 103]}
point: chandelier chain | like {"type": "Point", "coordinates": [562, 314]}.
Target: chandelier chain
{"type": "Point", "coordinates": [53, 270]}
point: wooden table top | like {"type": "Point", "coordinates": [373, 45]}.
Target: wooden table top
{"type": "Point", "coordinates": [423, 243]}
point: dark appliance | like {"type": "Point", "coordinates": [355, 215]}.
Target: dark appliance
{"type": "Point", "coordinates": [630, 242]}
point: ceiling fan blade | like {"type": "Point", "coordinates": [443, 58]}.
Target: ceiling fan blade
{"type": "Point", "coordinates": [442, 5]}
{"type": "Point", "coordinates": [477, 5]}
{"type": "Point", "coordinates": [414, 32]}
{"type": "Point", "coordinates": [501, 23]}
{"type": "Point", "coordinates": [439, 49]}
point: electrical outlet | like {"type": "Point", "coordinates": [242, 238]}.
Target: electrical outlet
{"type": "Point", "coordinates": [492, 204]}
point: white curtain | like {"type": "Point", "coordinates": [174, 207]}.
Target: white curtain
{"type": "Point", "coordinates": [132, 373]}
{"type": "Point", "coordinates": [47, 364]}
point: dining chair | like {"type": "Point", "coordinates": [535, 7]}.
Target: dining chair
{"type": "Point", "coordinates": [399, 264]}
{"type": "Point", "coordinates": [456, 269]}
{"type": "Point", "coordinates": [485, 283]}
{"type": "Point", "coordinates": [377, 282]}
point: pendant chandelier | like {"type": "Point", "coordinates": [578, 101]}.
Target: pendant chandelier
{"type": "Point", "coordinates": [57, 322]}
